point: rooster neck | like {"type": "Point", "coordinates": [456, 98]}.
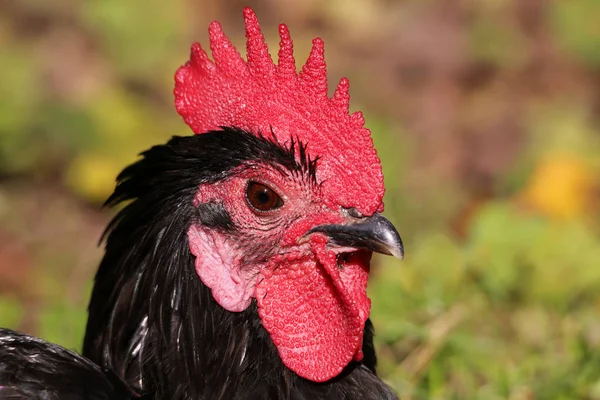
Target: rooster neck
{"type": "Point", "coordinates": [153, 321]}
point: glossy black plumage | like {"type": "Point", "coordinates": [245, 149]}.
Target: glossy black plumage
{"type": "Point", "coordinates": [154, 322]}
{"type": "Point", "coordinates": [31, 368]}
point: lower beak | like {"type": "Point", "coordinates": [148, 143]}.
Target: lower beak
{"type": "Point", "coordinates": [375, 233]}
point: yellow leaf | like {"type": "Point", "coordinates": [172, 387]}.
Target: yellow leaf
{"type": "Point", "coordinates": [561, 187]}
{"type": "Point", "coordinates": [93, 176]}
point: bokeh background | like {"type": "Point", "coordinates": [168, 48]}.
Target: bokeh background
{"type": "Point", "coordinates": [486, 115]}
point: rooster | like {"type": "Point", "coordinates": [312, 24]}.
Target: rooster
{"type": "Point", "coordinates": [238, 267]}
{"type": "Point", "coordinates": [31, 368]}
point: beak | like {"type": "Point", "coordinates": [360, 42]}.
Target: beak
{"type": "Point", "coordinates": [375, 233]}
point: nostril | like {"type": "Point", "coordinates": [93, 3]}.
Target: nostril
{"type": "Point", "coordinates": [353, 212]}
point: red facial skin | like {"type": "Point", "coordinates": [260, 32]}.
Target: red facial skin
{"type": "Point", "coordinates": [311, 300]}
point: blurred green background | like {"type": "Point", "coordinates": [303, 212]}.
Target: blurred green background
{"type": "Point", "coordinates": [486, 117]}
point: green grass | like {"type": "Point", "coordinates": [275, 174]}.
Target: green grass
{"type": "Point", "coordinates": [510, 313]}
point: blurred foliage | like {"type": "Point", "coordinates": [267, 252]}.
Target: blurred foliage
{"type": "Point", "coordinates": [526, 293]}
{"type": "Point", "coordinates": [485, 116]}
{"type": "Point", "coordinates": [577, 30]}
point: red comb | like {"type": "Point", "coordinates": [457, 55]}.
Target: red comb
{"type": "Point", "coordinates": [259, 96]}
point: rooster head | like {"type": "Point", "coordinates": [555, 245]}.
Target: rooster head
{"type": "Point", "coordinates": [293, 228]}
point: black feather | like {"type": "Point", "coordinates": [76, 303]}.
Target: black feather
{"type": "Point", "coordinates": [31, 368]}
{"type": "Point", "coordinates": [214, 215]}
{"type": "Point", "coordinates": [154, 322]}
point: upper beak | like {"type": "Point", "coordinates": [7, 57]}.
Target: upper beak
{"type": "Point", "coordinates": [374, 233]}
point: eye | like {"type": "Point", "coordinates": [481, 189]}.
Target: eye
{"type": "Point", "coordinates": [262, 198]}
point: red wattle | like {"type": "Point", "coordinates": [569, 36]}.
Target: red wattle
{"type": "Point", "coordinates": [315, 311]}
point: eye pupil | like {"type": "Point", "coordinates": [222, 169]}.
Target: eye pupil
{"type": "Point", "coordinates": [262, 198]}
